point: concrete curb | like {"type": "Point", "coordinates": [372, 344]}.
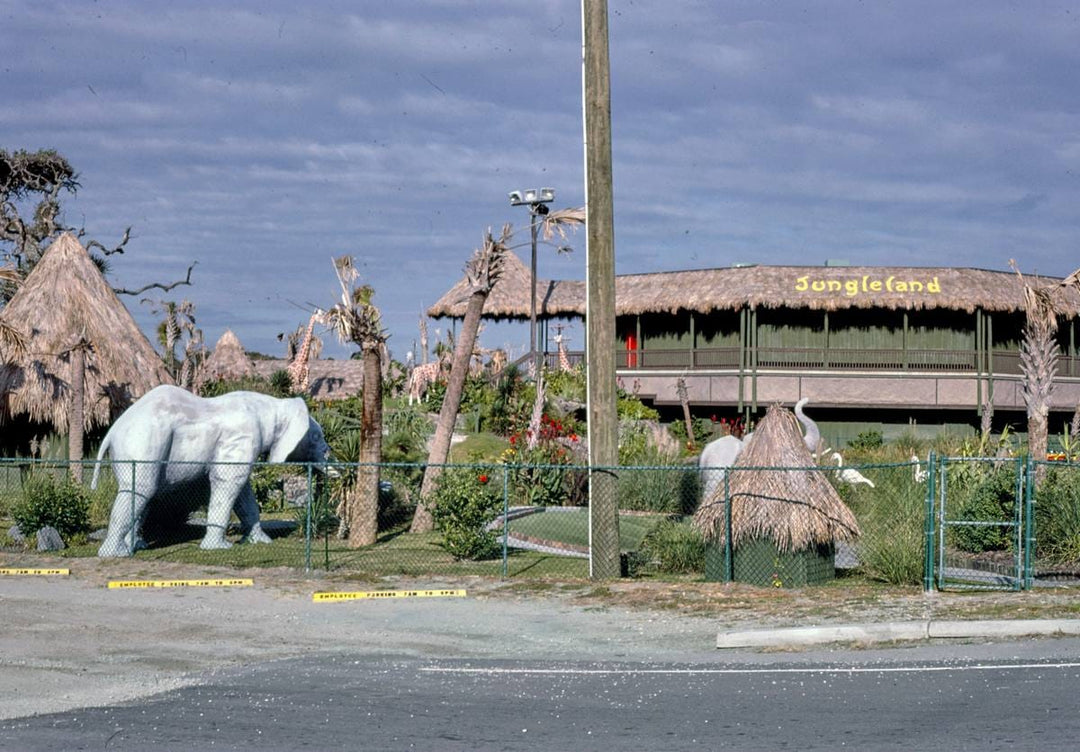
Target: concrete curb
{"type": "Point", "coordinates": [894, 632]}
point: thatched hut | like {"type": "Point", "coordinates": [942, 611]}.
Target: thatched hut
{"type": "Point", "coordinates": [780, 519]}
{"type": "Point", "coordinates": [65, 300]}
{"type": "Point", "coordinates": [228, 361]}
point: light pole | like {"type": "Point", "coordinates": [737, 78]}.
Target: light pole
{"type": "Point", "coordinates": [537, 201]}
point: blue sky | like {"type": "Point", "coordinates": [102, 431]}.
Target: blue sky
{"type": "Point", "coordinates": [263, 138]}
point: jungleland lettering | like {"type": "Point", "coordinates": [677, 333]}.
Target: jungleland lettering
{"type": "Point", "coordinates": [852, 287]}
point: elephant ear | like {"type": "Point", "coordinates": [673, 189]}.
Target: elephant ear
{"type": "Point", "coordinates": [292, 427]}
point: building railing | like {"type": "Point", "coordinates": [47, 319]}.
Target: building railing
{"type": "Point", "coordinates": [1005, 363]}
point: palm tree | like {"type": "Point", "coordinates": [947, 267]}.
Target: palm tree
{"type": "Point", "coordinates": [482, 272]}
{"type": "Point", "coordinates": [1039, 353]}
{"type": "Point", "coordinates": [356, 319]}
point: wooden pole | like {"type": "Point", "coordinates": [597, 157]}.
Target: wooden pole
{"type": "Point", "coordinates": [600, 294]}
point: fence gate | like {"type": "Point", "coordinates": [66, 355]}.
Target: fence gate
{"type": "Point", "coordinates": [981, 512]}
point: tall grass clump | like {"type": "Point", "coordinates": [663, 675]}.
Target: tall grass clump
{"type": "Point", "coordinates": [674, 547]}
{"type": "Point", "coordinates": [892, 518]}
{"type": "Point", "coordinates": [1057, 516]}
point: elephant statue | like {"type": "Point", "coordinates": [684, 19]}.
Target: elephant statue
{"type": "Point", "coordinates": [171, 440]}
{"type": "Point", "coordinates": [715, 458]}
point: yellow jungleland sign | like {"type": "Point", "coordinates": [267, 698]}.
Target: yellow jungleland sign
{"type": "Point", "coordinates": [867, 284]}
{"type": "Point", "coordinates": [132, 584]}
{"type": "Point", "coordinates": [373, 594]}
{"type": "Point", "coordinates": [22, 572]}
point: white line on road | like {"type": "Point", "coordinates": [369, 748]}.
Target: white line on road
{"type": "Point", "coordinates": [705, 671]}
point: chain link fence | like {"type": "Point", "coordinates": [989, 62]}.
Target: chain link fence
{"type": "Point", "coordinates": [981, 523]}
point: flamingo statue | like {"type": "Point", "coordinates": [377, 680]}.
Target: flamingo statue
{"type": "Point", "coordinates": [850, 474]}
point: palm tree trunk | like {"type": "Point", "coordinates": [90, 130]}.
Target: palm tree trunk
{"type": "Point", "coordinates": [444, 429]}
{"type": "Point", "coordinates": [363, 512]}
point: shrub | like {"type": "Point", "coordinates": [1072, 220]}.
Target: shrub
{"type": "Point", "coordinates": [664, 486]}
{"type": "Point", "coordinates": [51, 502]}
{"type": "Point", "coordinates": [892, 545]}
{"type": "Point", "coordinates": [866, 441]}
{"type": "Point", "coordinates": [465, 501]}
{"type": "Point", "coordinates": [675, 547]}
{"type": "Point", "coordinates": [993, 499]}
{"type": "Point", "coordinates": [1057, 516]}
{"type": "Point", "coordinates": [542, 475]}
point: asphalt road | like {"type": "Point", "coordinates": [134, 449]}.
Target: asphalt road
{"type": "Point", "coordinates": [1020, 695]}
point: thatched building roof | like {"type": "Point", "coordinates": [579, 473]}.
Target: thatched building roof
{"type": "Point", "coordinates": [63, 300]}
{"type": "Point", "coordinates": [796, 507]}
{"type": "Point", "coordinates": [228, 360]}
{"type": "Point", "coordinates": [814, 287]}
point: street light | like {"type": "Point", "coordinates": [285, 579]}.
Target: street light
{"type": "Point", "coordinates": [537, 200]}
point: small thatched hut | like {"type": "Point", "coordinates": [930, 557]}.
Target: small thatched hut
{"type": "Point", "coordinates": [793, 510]}
{"type": "Point", "coordinates": [228, 361]}
{"type": "Point", "coordinates": [63, 301]}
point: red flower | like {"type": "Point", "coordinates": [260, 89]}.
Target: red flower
{"type": "Point", "coordinates": [483, 479]}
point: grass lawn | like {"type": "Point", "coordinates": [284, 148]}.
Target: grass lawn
{"type": "Point", "coordinates": [395, 553]}
{"type": "Point", "coordinates": [572, 526]}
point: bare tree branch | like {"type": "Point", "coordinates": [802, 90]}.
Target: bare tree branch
{"type": "Point", "coordinates": [158, 285]}
{"type": "Point", "coordinates": [109, 251]}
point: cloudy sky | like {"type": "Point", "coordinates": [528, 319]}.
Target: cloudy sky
{"type": "Point", "coordinates": [263, 138]}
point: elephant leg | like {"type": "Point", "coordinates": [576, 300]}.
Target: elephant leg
{"type": "Point", "coordinates": [247, 509]}
{"type": "Point", "coordinates": [226, 484]}
{"type": "Point", "coordinates": [128, 510]}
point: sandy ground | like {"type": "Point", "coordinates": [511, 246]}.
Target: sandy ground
{"type": "Point", "coordinates": [69, 642]}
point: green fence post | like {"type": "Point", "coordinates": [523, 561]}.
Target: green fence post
{"type": "Point", "coordinates": [506, 523]}
{"type": "Point", "coordinates": [1029, 524]}
{"type": "Point", "coordinates": [131, 506]}
{"type": "Point", "coordinates": [928, 563]}
{"type": "Point", "coordinates": [729, 574]}
{"type": "Point", "coordinates": [307, 523]}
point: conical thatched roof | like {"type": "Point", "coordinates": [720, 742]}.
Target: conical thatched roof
{"type": "Point", "coordinates": [815, 287]}
{"type": "Point", "coordinates": [795, 508]}
{"type": "Point", "coordinates": [228, 360]}
{"type": "Point", "coordinates": [65, 299]}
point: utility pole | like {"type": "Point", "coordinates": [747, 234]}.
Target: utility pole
{"type": "Point", "coordinates": [600, 294]}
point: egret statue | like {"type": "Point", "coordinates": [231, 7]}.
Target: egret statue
{"type": "Point", "coordinates": [813, 435]}
{"type": "Point", "coordinates": [920, 474]}
{"type": "Point", "coordinates": [850, 474]}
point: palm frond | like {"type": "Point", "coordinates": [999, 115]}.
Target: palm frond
{"type": "Point", "coordinates": [558, 222]}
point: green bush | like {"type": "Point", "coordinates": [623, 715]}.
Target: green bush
{"type": "Point", "coordinates": [465, 501]}
{"type": "Point", "coordinates": [659, 486]}
{"type": "Point", "coordinates": [993, 499]}
{"type": "Point", "coordinates": [1057, 516]}
{"type": "Point", "coordinates": [51, 502]}
{"type": "Point", "coordinates": [892, 545]}
{"type": "Point", "coordinates": [675, 547]}
{"type": "Point", "coordinates": [866, 441]}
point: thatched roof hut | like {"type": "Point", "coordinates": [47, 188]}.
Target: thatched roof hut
{"type": "Point", "coordinates": [795, 508]}
{"type": "Point", "coordinates": [65, 299]}
{"type": "Point", "coordinates": [228, 360]}
{"type": "Point", "coordinates": [813, 287]}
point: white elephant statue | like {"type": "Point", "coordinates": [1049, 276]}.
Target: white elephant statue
{"type": "Point", "coordinates": [171, 439]}
{"type": "Point", "coordinates": [715, 459]}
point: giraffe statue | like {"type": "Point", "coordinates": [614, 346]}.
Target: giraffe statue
{"type": "Point", "coordinates": [560, 342]}
{"type": "Point", "coordinates": [423, 376]}
{"type": "Point", "coordinates": [298, 369]}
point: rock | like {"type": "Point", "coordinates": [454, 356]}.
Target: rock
{"type": "Point", "coordinates": [48, 539]}
{"type": "Point", "coordinates": [295, 489]}
{"type": "Point", "coordinates": [16, 534]}
{"type": "Point", "coordinates": [99, 535]}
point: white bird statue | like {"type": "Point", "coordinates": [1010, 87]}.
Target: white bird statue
{"type": "Point", "coordinates": [850, 474]}
{"type": "Point", "coordinates": [920, 474]}
{"type": "Point", "coordinates": [813, 435]}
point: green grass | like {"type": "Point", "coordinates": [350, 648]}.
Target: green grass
{"type": "Point", "coordinates": [396, 554]}
{"type": "Point", "coordinates": [479, 447]}
{"type": "Point", "coordinates": [572, 527]}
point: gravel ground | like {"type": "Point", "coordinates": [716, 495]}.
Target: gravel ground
{"type": "Point", "coordinates": [69, 642]}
